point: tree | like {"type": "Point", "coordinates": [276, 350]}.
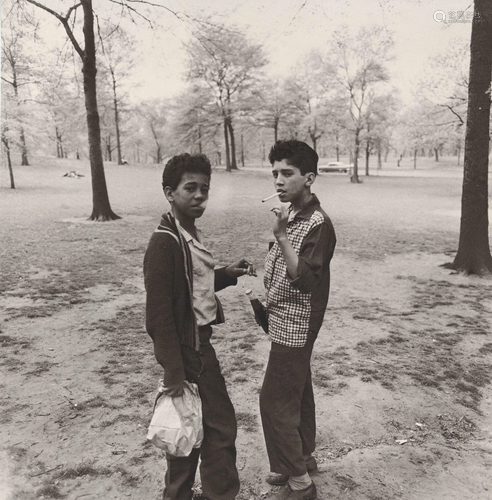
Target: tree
{"type": "Point", "coordinates": [6, 140]}
{"type": "Point", "coordinates": [473, 256]}
{"type": "Point", "coordinates": [101, 208]}
{"type": "Point", "coordinates": [196, 120]}
{"type": "Point", "coordinates": [16, 63]}
{"type": "Point", "coordinates": [229, 64]}
{"type": "Point", "coordinates": [155, 115]}
{"type": "Point", "coordinates": [59, 95]}
{"type": "Point", "coordinates": [357, 63]}
{"type": "Point", "coordinates": [117, 47]}
{"type": "Point", "coordinates": [274, 105]}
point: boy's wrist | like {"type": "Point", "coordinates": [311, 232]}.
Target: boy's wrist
{"type": "Point", "coordinates": [281, 238]}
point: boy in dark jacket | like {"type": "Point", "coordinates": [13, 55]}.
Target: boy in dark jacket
{"type": "Point", "coordinates": [297, 282]}
{"type": "Point", "coordinates": [181, 280]}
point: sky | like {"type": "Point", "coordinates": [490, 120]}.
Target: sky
{"type": "Point", "coordinates": [289, 29]}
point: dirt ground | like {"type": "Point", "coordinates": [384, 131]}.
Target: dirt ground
{"type": "Point", "coordinates": [402, 366]}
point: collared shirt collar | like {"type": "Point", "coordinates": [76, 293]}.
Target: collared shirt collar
{"type": "Point", "coordinates": [189, 239]}
{"type": "Point", "coordinates": [308, 210]}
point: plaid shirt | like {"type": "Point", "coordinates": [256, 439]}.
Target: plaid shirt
{"type": "Point", "coordinates": [297, 306]}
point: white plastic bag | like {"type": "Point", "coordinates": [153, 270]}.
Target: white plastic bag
{"type": "Point", "coordinates": [176, 424]}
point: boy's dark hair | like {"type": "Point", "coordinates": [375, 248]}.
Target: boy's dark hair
{"type": "Point", "coordinates": [182, 164]}
{"type": "Point", "coordinates": [297, 153]}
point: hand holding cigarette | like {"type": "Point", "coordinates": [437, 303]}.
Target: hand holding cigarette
{"type": "Point", "coordinates": [280, 224]}
{"type": "Point", "coordinates": [271, 196]}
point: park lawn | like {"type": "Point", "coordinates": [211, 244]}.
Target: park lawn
{"type": "Point", "coordinates": [401, 367]}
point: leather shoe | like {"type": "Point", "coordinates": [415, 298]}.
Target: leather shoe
{"type": "Point", "coordinates": [276, 479]}
{"type": "Point", "coordinates": [287, 493]}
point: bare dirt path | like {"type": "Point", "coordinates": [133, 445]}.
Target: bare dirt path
{"type": "Point", "coordinates": [402, 365]}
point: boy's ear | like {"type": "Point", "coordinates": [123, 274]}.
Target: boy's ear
{"type": "Point", "coordinates": [310, 178]}
{"type": "Point", "coordinates": [168, 193]}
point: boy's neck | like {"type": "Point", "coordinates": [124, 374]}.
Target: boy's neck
{"type": "Point", "coordinates": [188, 224]}
{"type": "Point", "coordinates": [302, 201]}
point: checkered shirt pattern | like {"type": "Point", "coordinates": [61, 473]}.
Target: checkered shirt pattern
{"type": "Point", "coordinates": [288, 309]}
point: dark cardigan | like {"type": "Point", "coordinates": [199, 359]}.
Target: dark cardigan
{"type": "Point", "coordinates": [170, 318]}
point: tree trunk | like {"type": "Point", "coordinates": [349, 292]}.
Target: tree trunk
{"type": "Point", "coordinates": [199, 139]}
{"type": "Point", "coordinates": [9, 162]}
{"type": "Point", "coordinates": [226, 141]}
{"type": "Point", "coordinates": [101, 208]}
{"type": "Point", "coordinates": [473, 256]}
{"type": "Point", "coordinates": [380, 164]}
{"type": "Point", "coordinates": [233, 144]}
{"type": "Point", "coordinates": [24, 160]}
{"type": "Point", "coordinates": [109, 152]}
{"type": "Point", "coordinates": [415, 159]}
{"type": "Point", "coordinates": [242, 149]}
{"type": "Point", "coordinates": [22, 137]}
{"type": "Point", "coordinates": [355, 172]}
{"type": "Point", "coordinates": [117, 124]}
{"type": "Point", "coordinates": [315, 142]}
{"type": "Point", "coordinates": [368, 153]}
{"type": "Point", "coordinates": [275, 129]}
{"type": "Point", "coordinates": [436, 154]}
{"type": "Point", "coordinates": [58, 143]}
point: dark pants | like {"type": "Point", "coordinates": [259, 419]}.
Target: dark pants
{"type": "Point", "coordinates": [287, 408]}
{"type": "Point", "coordinates": [218, 470]}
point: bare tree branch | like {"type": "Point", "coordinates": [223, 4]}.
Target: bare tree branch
{"type": "Point", "coordinates": [64, 22]}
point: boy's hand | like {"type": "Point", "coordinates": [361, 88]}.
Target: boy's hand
{"type": "Point", "coordinates": [281, 219]}
{"type": "Point", "coordinates": [240, 268]}
{"type": "Point", "coordinates": [175, 390]}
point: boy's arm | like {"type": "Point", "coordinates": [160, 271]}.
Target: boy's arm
{"type": "Point", "coordinates": [290, 256]}
{"type": "Point", "coordinates": [222, 279]}
{"type": "Point", "coordinates": [159, 280]}
{"type": "Point", "coordinates": [280, 232]}
{"type": "Point", "coordinates": [314, 257]}
{"type": "Point", "coordinates": [227, 276]}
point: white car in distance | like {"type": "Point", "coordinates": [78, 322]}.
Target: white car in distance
{"type": "Point", "coordinates": [336, 166]}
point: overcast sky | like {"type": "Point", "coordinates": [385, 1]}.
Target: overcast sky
{"type": "Point", "coordinates": [288, 29]}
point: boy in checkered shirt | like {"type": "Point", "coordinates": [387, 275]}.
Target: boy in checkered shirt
{"type": "Point", "coordinates": [297, 282]}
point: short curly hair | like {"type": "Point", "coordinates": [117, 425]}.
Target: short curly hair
{"type": "Point", "coordinates": [297, 153]}
{"type": "Point", "coordinates": [184, 163]}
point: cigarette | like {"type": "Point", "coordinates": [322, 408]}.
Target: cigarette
{"type": "Point", "coordinates": [271, 196]}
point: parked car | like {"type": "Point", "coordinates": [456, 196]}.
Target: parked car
{"type": "Point", "coordinates": [336, 166]}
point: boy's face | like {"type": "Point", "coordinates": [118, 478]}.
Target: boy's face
{"type": "Point", "coordinates": [189, 199]}
{"type": "Point", "coordinates": [289, 181]}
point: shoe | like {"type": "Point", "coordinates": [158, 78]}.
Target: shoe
{"type": "Point", "coordinates": [311, 464]}
{"type": "Point", "coordinates": [287, 493]}
{"type": "Point", "coordinates": [276, 479]}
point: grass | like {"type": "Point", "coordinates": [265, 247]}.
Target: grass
{"type": "Point", "coordinates": [78, 269]}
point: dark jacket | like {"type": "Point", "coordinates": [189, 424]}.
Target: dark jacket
{"type": "Point", "coordinates": [170, 318]}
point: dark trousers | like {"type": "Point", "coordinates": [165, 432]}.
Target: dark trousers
{"type": "Point", "coordinates": [218, 470]}
{"type": "Point", "coordinates": [287, 408]}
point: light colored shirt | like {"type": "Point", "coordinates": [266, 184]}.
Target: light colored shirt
{"type": "Point", "coordinates": [204, 303]}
